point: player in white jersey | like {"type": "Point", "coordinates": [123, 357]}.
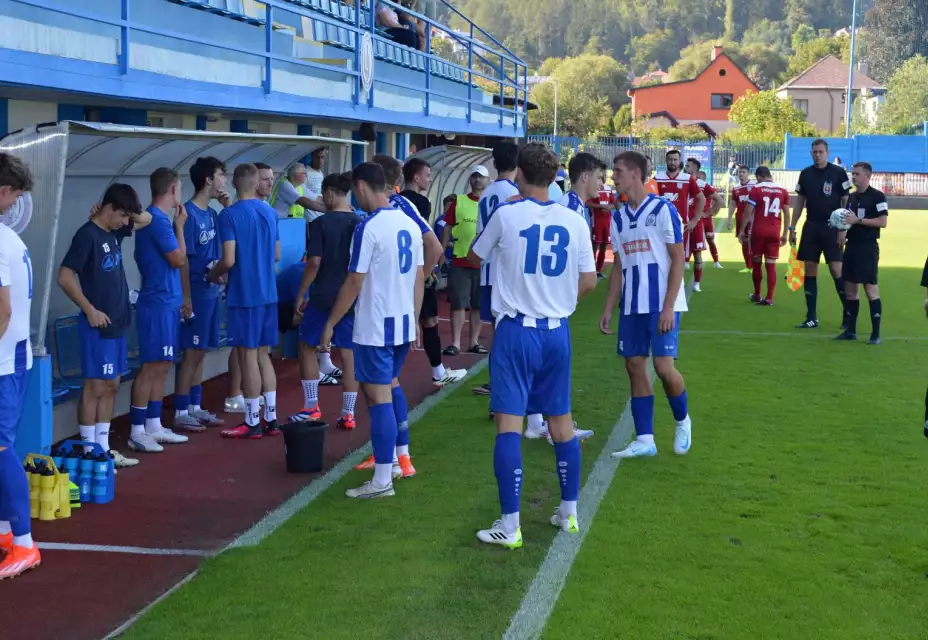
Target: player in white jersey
{"type": "Point", "coordinates": [385, 276]}
{"type": "Point", "coordinates": [500, 191]}
{"type": "Point", "coordinates": [647, 238]}
{"type": "Point", "coordinates": [18, 552]}
{"type": "Point", "coordinates": [586, 181]}
{"type": "Point", "coordinates": [544, 263]}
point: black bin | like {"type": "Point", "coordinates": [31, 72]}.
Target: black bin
{"type": "Point", "coordinates": [304, 446]}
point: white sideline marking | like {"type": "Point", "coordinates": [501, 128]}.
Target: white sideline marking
{"type": "Point", "coordinates": [542, 595]}
{"type": "Point", "coordinates": [104, 548]}
{"type": "Point", "coordinates": [273, 520]}
{"type": "Point", "coordinates": [121, 629]}
{"type": "Point", "coordinates": [798, 333]}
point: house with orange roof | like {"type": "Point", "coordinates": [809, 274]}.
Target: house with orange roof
{"type": "Point", "coordinates": [703, 101]}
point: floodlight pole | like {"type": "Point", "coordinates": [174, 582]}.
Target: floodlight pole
{"type": "Point", "coordinates": [850, 75]}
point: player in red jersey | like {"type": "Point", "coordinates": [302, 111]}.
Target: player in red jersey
{"type": "Point", "coordinates": [766, 217]}
{"type": "Point", "coordinates": [601, 208]}
{"type": "Point", "coordinates": [696, 226]}
{"type": "Point", "coordinates": [737, 201]}
{"type": "Point", "coordinates": [713, 205]}
{"type": "Point", "coordinates": [684, 192]}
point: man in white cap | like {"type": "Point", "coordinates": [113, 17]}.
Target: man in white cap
{"type": "Point", "coordinates": [464, 278]}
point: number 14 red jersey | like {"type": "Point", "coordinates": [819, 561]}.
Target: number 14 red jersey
{"type": "Point", "coordinates": [768, 200]}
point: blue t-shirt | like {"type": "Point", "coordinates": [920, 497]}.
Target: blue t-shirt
{"type": "Point", "coordinates": [160, 281]}
{"type": "Point", "coordinates": [288, 283]}
{"type": "Point", "coordinates": [252, 225]}
{"type": "Point", "coordinates": [202, 248]}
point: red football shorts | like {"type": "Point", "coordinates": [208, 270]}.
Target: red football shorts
{"type": "Point", "coordinates": [694, 241]}
{"type": "Point", "coordinates": [765, 244]}
{"type": "Point", "coordinates": [708, 225]}
{"type": "Point", "coordinates": [602, 225]}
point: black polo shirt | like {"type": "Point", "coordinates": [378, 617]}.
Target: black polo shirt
{"type": "Point", "coordinates": [95, 255]}
{"type": "Point", "coordinates": [823, 190]}
{"type": "Point", "coordinates": [330, 239]}
{"type": "Point", "coordinates": [866, 204]}
{"type": "Point", "coordinates": [421, 203]}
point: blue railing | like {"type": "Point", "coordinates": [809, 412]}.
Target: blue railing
{"type": "Point", "coordinates": [487, 58]}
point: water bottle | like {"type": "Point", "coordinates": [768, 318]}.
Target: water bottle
{"type": "Point", "coordinates": [85, 479]}
{"type": "Point", "coordinates": [47, 505]}
{"type": "Point", "coordinates": [72, 465]}
{"type": "Point", "coordinates": [101, 479]}
{"type": "Point", "coordinates": [58, 459]}
{"type": "Point", "coordinates": [33, 490]}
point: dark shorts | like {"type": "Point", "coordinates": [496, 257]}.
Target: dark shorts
{"type": "Point", "coordinates": [464, 288]}
{"type": "Point", "coordinates": [285, 316]}
{"type": "Point", "coordinates": [101, 358]}
{"type": "Point", "coordinates": [818, 238]}
{"type": "Point", "coordinates": [861, 262]}
{"type": "Point", "coordinates": [313, 324]}
{"type": "Point", "coordinates": [429, 304]}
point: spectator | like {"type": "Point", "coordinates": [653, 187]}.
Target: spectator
{"type": "Point", "coordinates": [561, 177]}
{"type": "Point", "coordinates": [838, 162]}
{"type": "Point", "coordinates": [314, 175]}
{"type": "Point", "coordinates": [291, 198]}
{"type": "Point", "coordinates": [400, 32]}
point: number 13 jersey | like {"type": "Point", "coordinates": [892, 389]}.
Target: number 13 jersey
{"type": "Point", "coordinates": [387, 247]}
{"type": "Point", "coordinates": [539, 250]}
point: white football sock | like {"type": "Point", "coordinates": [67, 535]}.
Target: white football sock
{"type": "Point", "coordinates": [270, 405]}
{"type": "Point", "coordinates": [383, 475]}
{"type": "Point", "coordinates": [349, 398]}
{"type": "Point", "coordinates": [510, 522]}
{"type": "Point", "coordinates": [102, 435]}
{"type": "Point", "coordinates": [88, 434]}
{"type": "Point", "coordinates": [438, 372]}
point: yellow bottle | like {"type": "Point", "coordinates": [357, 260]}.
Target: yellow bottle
{"type": "Point", "coordinates": [63, 497]}
{"type": "Point", "coordinates": [34, 494]}
{"type": "Point", "coordinates": [47, 495]}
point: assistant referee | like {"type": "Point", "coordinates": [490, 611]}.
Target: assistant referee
{"type": "Point", "coordinates": [824, 187]}
{"type": "Point", "coordinates": [868, 212]}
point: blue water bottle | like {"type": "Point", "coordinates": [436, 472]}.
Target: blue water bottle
{"type": "Point", "coordinates": [85, 479]}
{"type": "Point", "coordinates": [72, 465]}
{"type": "Point", "coordinates": [58, 459]}
{"type": "Point", "coordinates": [102, 479]}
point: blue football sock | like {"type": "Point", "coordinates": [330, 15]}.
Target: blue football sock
{"type": "Point", "coordinates": [402, 417]}
{"type": "Point", "coordinates": [154, 409]}
{"type": "Point", "coordinates": [507, 463]}
{"type": "Point", "coordinates": [678, 406]}
{"type": "Point", "coordinates": [137, 416]}
{"type": "Point", "coordinates": [643, 415]}
{"type": "Point", "coordinates": [14, 493]}
{"type": "Point", "coordinates": [568, 468]}
{"type": "Point", "coordinates": [383, 432]}
{"type": "Point", "coordinates": [181, 402]}
{"type": "Point", "coordinates": [196, 395]}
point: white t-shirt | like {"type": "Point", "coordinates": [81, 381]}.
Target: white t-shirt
{"type": "Point", "coordinates": [387, 246]}
{"type": "Point", "coordinates": [640, 239]}
{"type": "Point", "coordinates": [496, 194]}
{"type": "Point", "coordinates": [539, 251]}
{"type": "Point", "coordinates": [16, 273]}
{"type": "Point", "coordinates": [314, 180]}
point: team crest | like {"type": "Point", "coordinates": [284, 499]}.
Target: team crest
{"type": "Point", "coordinates": [826, 189]}
{"type": "Point", "coordinates": [651, 220]}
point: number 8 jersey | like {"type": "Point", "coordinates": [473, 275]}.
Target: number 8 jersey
{"type": "Point", "coordinates": [539, 250]}
{"type": "Point", "coordinates": [387, 247]}
{"type": "Point", "coordinates": [15, 273]}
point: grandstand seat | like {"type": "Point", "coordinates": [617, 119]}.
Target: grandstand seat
{"type": "Point", "coordinates": [67, 372]}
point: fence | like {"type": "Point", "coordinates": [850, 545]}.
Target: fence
{"type": "Point", "coordinates": [887, 154]}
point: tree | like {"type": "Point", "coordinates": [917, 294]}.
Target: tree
{"type": "Point", "coordinates": [622, 121]}
{"type": "Point", "coordinates": [730, 25]}
{"type": "Point", "coordinates": [763, 117]}
{"type": "Point", "coordinates": [590, 89]}
{"type": "Point", "coordinates": [896, 31]}
{"type": "Point", "coordinates": [654, 50]}
{"type": "Point", "coordinates": [763, 64]}
{"type": "Point", "coordinates": [803, 34]}
{"type": "Point", "coordinates": [774, 34]}
{"type": "Point", "coordinates": [814, 50]}
{"type": "Point", "coordinates": [907, 98]}
{"type": "Point", "coordinates": [696, 57]}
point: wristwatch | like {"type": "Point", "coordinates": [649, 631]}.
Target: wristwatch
{"type": "Point", "coordinates": [791, 228]}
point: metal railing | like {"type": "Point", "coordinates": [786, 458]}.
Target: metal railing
{"type": "Point", "coordinates": [491, 61]}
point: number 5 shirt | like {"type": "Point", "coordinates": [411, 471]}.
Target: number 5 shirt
{"type": "Point", "coordinates": [539, 249]}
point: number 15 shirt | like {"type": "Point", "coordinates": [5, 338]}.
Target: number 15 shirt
{"type": "Point", "coordinates": [387, 247]}
{"type": "Point", "coordinates": [539, 250]}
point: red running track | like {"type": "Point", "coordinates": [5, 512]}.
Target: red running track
{"type": "Point", "coordinates": [198, 496]}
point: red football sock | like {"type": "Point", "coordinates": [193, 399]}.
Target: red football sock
{"type": "Point", "coordinates": [771, 279]}
{"type": "Point", "coordinates": [746, 253]}
{"type": "Point", "coordinates": [601, 258]}
{"type": "Point", "coordinates": [697, 272]}
{"type": "Point", "coordinates": [714, 250]}
{"type": "Point", "coordinates": [758, 276]}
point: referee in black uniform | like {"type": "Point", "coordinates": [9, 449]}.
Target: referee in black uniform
{"type": "Point", "coordinates": [868, 211]}
{"type": "Point", "coordinates": [824, 187]}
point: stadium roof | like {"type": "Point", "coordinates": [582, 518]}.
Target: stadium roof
{"type": "Point", "coordinates": [829, 73]}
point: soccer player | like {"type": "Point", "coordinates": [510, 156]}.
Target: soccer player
{"type": "Point", "coordinates": [417, 176]}
{"type": "Point", "coordinates": [326, 268]}
{"type": "Point", "coordinates": [160, 252]}
{"type": "Point", "coordinates": [544, 265]}
{"type": "Point", "coordinates": [464, 279]}
{"type": "Point", "coordinates": [767, 206]}
{"type": "Point", "coordinates": [18, 552]}
{"type": "Point", "coordinates": [586, 184]}
{"type": "Point", "coordinates": [679, 189]}
{"type": "Point", "coordinates": [93, 276]}
{"type": "Point", "coordinates": [737, 201]}
{"type": "Point", "coordinates": [200, 333]}
{"type": "Point", "coordinates": [714, 203]}
{"type": "Point", "coordinates": [824, 187]}
{"type": "Point", "coordinates": [235, 403]}
{"type": "Point", "coordinates": [868, 212]}
{"type": "Point", "coordinates": [250, 249]}
{"type": "Point", "coordinates": [695, 230]}
{"type": "Point", "coordinates": [648, 239]}
{"type": "Point", "coordinates": [500, 191]}
{"type": "Point", "coordinates": [386, 277]}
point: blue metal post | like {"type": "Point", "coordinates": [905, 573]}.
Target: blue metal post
{"type": "Point", "coordinates": [381, 144]}
{"type": "Point", "coordinates": [470, 74]}
{"type": "Point", "coordinates": [428, 72]}
{"type": "Point", "coordinates": [373, 23]}
{"type": "Point", "coordinates": [850, 75]}
{"type": "Point", "coordinates": [4, 116]}
{"type": "Point", "coordinates": [502, 88]}
{"type": "Point", "coordinates": [268, 45]}
{"type": "Point", "coordinates": [786, 152]}
{"type": "Point", "coordinates": [124, 39]}
{"type": "Point", "coordinates": [357, 55]}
